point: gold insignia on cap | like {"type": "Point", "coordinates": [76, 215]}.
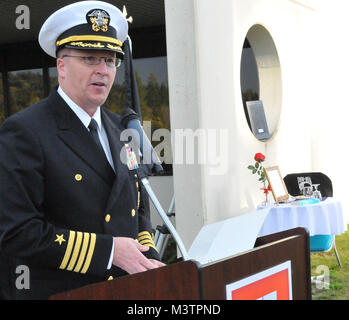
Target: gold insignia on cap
{"type": "Point", "coordinates": [78, 177]}
{"type": "Point", "coordinates": [89, 45]}
{"type": "Point", "coordinates": [99, 19]}
{"type": "Point", "coordinates": [88, 37]}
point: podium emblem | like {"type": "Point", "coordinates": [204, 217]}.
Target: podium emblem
{"type": "Point", "coordinates": [272, 284]}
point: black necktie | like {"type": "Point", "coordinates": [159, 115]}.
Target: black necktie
{"type": "Point", "coordinates": [93, 130]}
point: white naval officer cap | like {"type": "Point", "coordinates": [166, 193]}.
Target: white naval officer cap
{"type": "Point", "coordinates": [88, 25]}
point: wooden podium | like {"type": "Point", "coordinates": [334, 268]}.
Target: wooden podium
{"type": "Point", "coordinates": [188, 280]}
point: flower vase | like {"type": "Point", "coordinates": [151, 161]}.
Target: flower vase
{"type": "Point", "coordinates": [266, 190]}
{"type": "Point", "coordinates": [266, 199]}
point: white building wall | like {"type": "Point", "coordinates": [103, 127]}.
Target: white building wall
{"type": "Point", "coordinates": [204, 45]}
{"type": "Point", "coordinates": [185, 113]}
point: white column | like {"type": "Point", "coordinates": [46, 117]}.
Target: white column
{"type": "Point", "coordinates": [184, 113]}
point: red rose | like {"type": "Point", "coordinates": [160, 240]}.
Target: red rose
{"type": "Point", "coordinates": [259, 157]}
{"type": "Point", "coordinates": [266, 190]}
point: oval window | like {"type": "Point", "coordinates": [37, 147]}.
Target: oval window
{"type": "Point", "coordinates": [260, 80]}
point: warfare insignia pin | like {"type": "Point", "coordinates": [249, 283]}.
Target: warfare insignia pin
{"type": "Point", "coordinates": [99, 19]}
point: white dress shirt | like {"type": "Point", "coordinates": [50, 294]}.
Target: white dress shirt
{"type": "Point", "coordinates": [86, 119]}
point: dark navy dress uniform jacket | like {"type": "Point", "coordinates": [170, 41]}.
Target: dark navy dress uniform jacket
{"type": "Point", "coordinates": [61, 202]}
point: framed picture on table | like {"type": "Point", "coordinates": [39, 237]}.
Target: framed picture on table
{"type": "Point", "coordinates": [277, 184]}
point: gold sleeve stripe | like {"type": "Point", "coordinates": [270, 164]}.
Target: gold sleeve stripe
{"type": "Point", "coordinates": [90, 253]}
{"type": "Point", "coordinates": [79, 251]}
{"type": "Point", "coordinates": [83, 252]}
{"type": "Point", "coordinates": [144, 237]}
{"type": "Point", "coordinates": [68, 250]}
{"type": "Point", "coordinates": [153, 246]}
{"type": "Point", "coordinates": [146, 242]}
{"type": "Point", "coordinates": [143, 233]}
{"type": "Point", "coordinates": [150, 245]}
{"type": "Point", "coordinates": [75, 252]}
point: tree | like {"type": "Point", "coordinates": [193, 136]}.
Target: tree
{"type": "Point", "coordinates": [153, 97]}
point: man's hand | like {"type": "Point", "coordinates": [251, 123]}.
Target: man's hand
{"type": "Point", "coordinates": [157, 263]}
{"type": "Point", "coordinates": [128, 256]}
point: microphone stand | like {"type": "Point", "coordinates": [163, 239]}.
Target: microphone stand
{"type": "Point", "coordinates": [143, 175]}
{"type": "Point", "coordinates": [144, 170]}
{"type": "Point", "coordinates": [162, 234]}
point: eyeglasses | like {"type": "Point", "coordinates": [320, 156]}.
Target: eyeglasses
{"type": "Point", "coordinates": [93, 61]}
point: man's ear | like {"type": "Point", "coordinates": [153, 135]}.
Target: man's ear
{"type": "Point", "coordinates": [61, 67]}
{"type": "Point", "coordinates": [61, 63]}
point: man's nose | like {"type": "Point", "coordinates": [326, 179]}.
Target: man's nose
{"type": "Point", "coordinates": [102, 66]}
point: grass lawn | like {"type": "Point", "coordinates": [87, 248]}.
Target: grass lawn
{"type": "Point", "coordinates": [338, 288]}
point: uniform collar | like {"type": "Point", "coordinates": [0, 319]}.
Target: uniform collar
{"type": "Point", "coordinates": [81, 113]}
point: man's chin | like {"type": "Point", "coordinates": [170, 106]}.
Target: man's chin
{"type": "Point", "coordinates": [98, 100]}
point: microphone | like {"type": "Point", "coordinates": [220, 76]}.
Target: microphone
{"type": "Point", "coordinates": [130, 120]}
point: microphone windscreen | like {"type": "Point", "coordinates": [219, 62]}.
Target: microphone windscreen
{"type": "Point", "coordinates": [127, 115]}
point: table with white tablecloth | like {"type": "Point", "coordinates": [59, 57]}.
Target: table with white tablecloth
{"type": "Point", "coordinates": [325, 217]}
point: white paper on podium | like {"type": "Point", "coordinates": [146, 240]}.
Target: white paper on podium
{"type": "Point", "coordinates": [226, 238]}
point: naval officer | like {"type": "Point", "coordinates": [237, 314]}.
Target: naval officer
{"type": "Point", "coordinates": [71, 211]}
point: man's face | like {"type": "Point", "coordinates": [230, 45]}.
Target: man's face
{"type": "Point", "coordinates": [87, 85]}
